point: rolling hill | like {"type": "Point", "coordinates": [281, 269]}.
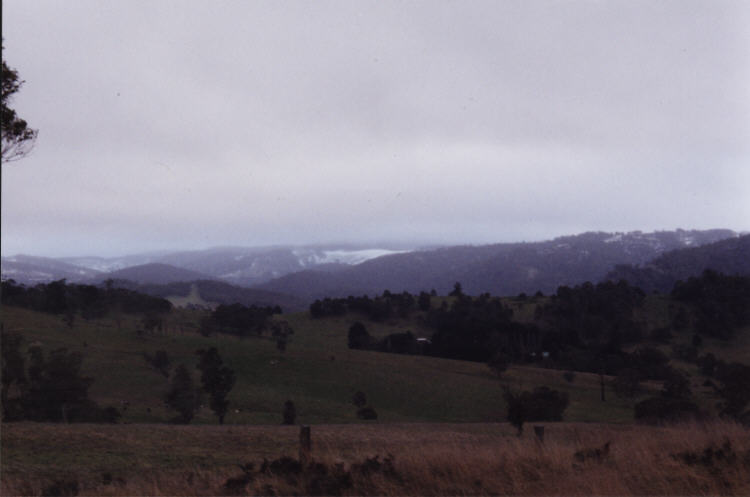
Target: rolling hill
{"type": "Point", "coordinates": [243, 266]}
{"type": "Point", "coordinates": [500, 269]}
{"type": "Point", "coordinates": [154, 274]}
{"type": "Point", "coordinates": [731, 256]}
{"type": "Point", "coordinates": [31, 270]}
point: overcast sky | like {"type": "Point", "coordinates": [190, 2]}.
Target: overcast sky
{"type": "Point", "coordinates": [190, 124]}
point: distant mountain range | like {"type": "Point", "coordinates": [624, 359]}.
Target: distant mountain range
{"type": "Point", "coordinates": [298, 275]}
{"type": "Point", "coordinates": [236, 265]}
{"type": "Point", "coordinates": [500, 269]}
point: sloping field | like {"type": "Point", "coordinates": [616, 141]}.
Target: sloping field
{"type": "Point", "coordinates": [317, 372]}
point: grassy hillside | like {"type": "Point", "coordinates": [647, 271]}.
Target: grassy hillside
{"type": "Point", "coordinates": [317, 372]}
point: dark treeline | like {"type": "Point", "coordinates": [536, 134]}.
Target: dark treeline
{"type": "Point", "coordinates": [238, 320]}
{"type": "Point", "coordinates": [588, 328]}
{"type": "Point", "coordinates": [720, 303]}
{"type": "Point", "coordinates": [378, 308]}
{"type": "Point", "coordinates": [476, 329]}
{"type": "Point", "coordinates": [59, 297]}
{"type": "Point", "coordinates": [50, 388]}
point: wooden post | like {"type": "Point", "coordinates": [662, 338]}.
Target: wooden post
{"type": "Point", "coordinates": [539, 432]}
{"type": "Point", "coordinates": [304, 445]}
{"type": "Point", "coordinates": [601, 380]}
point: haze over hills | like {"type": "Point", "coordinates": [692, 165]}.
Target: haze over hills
{"type": "Point", "coordinates": [296, 275]}
{"type": "Point", "coordinates": [30, 269]}
{"type": "Point", "coordinates": [237, 265]}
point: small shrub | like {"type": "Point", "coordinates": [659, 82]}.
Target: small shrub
{"type": "Point", "coordinates": [358, 338]}
{"type": "Point", "coordinates": [238, 485]}
{"type": "Point", "coordinates": [367, 413]}
{"type": "Point", "coordinates": [290, 413]}
{"type": "Point", "coordinates": [597, 454]}
{"type": "Point", "coordinates": [569, 376]}
{"type": "Point", "coordinates": [62, 488]}
{"type": "Point", "coordinates": [499, 363]}
{"type": "Point", "coordinates": [712, 457]}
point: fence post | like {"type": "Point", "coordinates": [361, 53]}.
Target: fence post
{"type": "Point", "coordinates": [304, 445]}
{"type": "Point", "coordinates": [539, 432]}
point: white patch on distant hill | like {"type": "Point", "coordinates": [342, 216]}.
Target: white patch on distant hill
{"type": "Point", "coordinates": [615, 238]}
{"type": "Point", "coordinates": [352, 257]}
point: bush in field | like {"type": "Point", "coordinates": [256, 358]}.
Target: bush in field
{"type": "Point", "coordinates": [358, 336]}
{"type": "Point", "coordinates": [217, 380]}
{"type": "Point", "coordinates": [367, 413]}
{"type": "Point", "coordinates": [290, 413]}
{"type": "Point", "coordinates": [13, 375]}
{"type": "Point", "coordinates": [734, 388]}
{"type": "Point", "coordinates": [499, 363]}
{"type": "Point", "coordinates": [541, 404]}
{"type": "Point", "coordinates": [182, 395]}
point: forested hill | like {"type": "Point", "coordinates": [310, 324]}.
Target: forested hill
{"type": "Point", "coordinates": [209, 293]}
{"type": "Point", "coordinates": [500, 269]}
{"type": "Point", "coordinates": [731, 256]}
{"type": "Point", "coordinates": [155, 274]}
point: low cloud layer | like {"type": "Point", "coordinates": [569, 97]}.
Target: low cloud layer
{"type": "Point", "coordinates": [195, 124]}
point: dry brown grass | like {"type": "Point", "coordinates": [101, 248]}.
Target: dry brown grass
{"type": "Point", "coordinates": [430, 459]}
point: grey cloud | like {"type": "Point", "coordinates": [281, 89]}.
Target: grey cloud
{"type": "Point", "coordinates": [198, 123]}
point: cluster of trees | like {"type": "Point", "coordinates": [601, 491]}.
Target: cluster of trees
{"type": "Point", "coordinates": [579, 328]}
{"type": "Point", "coordinates": [592, 316]}
{"type": "Point", "coordinates": [719, 303]}
{"type": "Point", "coordinates": [238, 320]}
{"type": "Point", "coordinates": [59, 297]}
{"type": "Point", "coordinates": [378, 308]}
{"type": "Point", "coordinates": [475, 329]}
{"type": "Point", "coordinates": [50, 389]}
{"type": "Point", "coordinates": [217, 380]}
{"type": "Point", "coordinates": [397, 343]}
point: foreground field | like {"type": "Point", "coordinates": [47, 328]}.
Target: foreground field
{"type": "Point", "coordinates": [414, 459]}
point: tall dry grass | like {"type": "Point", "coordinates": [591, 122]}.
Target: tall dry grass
{"type": "Point", "coordinates": [486, 460]}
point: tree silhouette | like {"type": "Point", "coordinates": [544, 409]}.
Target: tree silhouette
{"type": "Point", "coordinates": [182, 395]}
{"type": "Point", "coordinates": [290, 413]}
{"type": "Point", "coordinates": [217, 380]}
{"type": "Point", "coordinates": [17, 138]}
